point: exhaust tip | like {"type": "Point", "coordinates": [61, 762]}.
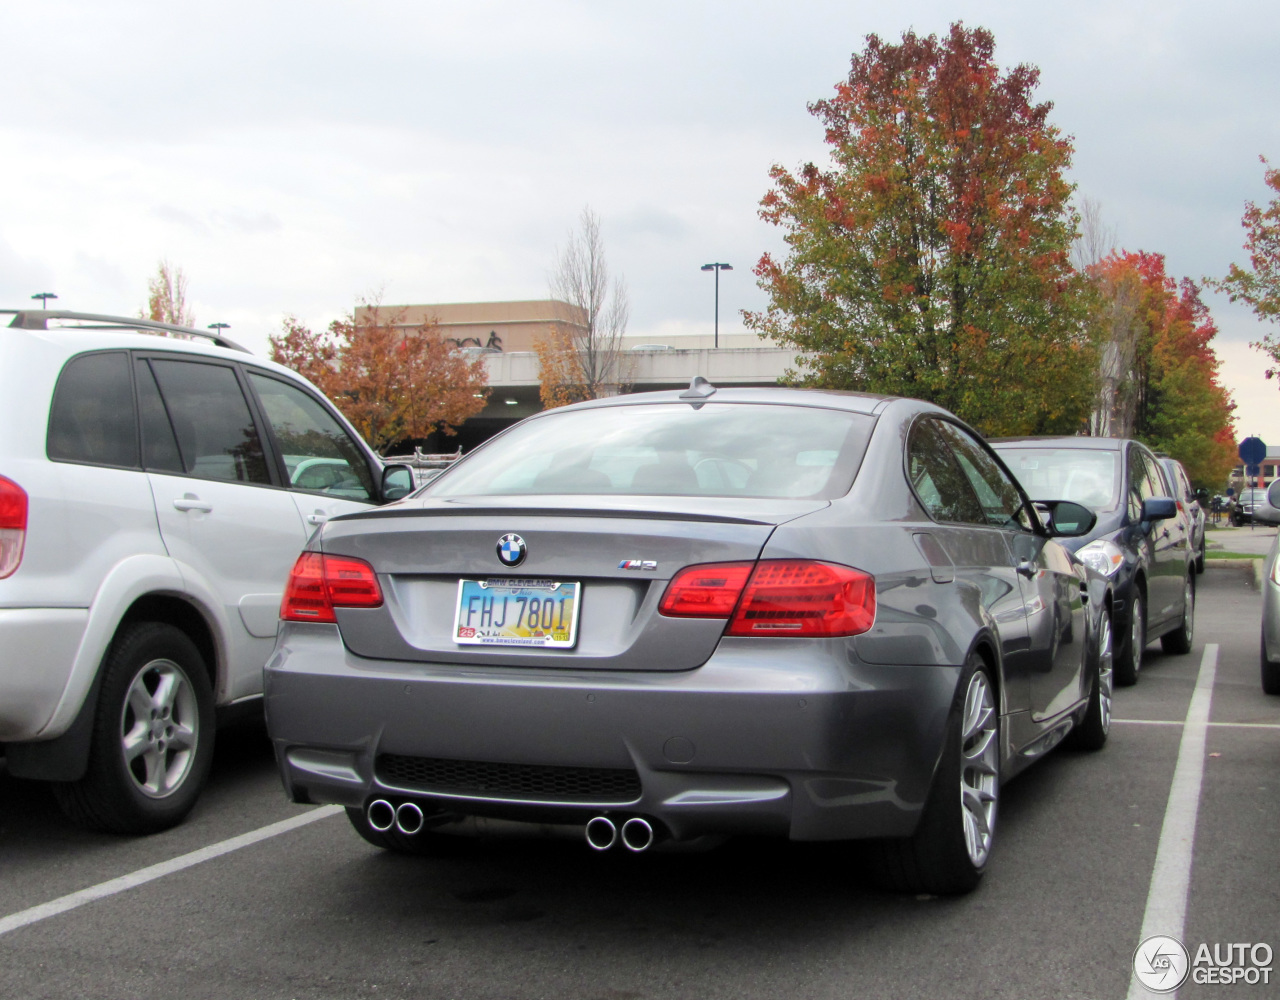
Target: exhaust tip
{"type": "Point", "coordinates": [408, 818]}
{"type": "Point", "coordinates": [381, 815]}
{"type": "Point", "coordinates": [637, 834]}
{"type": "Point", "coordinates": [601, 833]}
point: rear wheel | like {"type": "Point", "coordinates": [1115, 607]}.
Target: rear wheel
{"type": "Point", "coordinates": [1129, 665]}
{"type": "Point", "coordinates": [152, 740]}
{"type": "Point", "coordinates": [1179, 641]}
{"type": "Point", "coordinates": [1091, 733]}
{"type": "Point", "coordinates": [949, 852]}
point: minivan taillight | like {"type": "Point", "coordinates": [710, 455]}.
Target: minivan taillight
{"type": "Point", "coordinates": [320, 583]}
{"type": "Point", "coordinates": [796, 597]}
{"type": "Point", "coordinates": [13, 525]}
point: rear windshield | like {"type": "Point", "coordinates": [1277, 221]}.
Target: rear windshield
{"type": "Point", "coordinates": [1083, 475]}
{"type": "Point", "coordinates": [670, 449]}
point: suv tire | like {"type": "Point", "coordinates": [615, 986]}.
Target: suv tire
{"type": "Point", "coordinates": [152, 740]}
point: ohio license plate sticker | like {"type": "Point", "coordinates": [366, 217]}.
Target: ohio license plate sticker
{"type": "Point", "coordinates": [508, 612]}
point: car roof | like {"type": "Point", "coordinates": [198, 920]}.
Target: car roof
{"type": "Point", "coordinates": [1064, 441]}
{"type": "Point", "coordinates": [836, 399]}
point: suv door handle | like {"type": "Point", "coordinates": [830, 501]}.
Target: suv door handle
{"type": "Point", "coordinates": [317, 518]}
{"type": "Point", "coordinates": [192, 502]}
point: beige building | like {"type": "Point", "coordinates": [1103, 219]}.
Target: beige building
{"type": "Point", "coordinates": [502, 326]}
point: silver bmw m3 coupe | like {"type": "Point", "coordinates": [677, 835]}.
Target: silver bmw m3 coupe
{"type": "Point", "coordinates": [809, 614]}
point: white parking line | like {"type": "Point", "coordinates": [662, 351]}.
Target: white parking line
{"type": "Point", "coordinates": [24, 918]}
{"type": "Point", "coordinates": [1171, 878]}
{"type": "Point", "coordinates": [1211, 725]}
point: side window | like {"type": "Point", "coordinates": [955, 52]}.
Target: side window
{"type": "Point", "coordinates": [159, 447]}
{"type": "Point", "coordinates": [936, 477]}
{"type": "Point", "coordinates": [1137, 476]}
{"type": "Point", "coordinates": [318, 454]}
{"type": "Point", "coordinates": [1002, 505]}
{"type": "Point", "coordinates": [216, 436]}
{"type": "Point", "coordinates": [92, 417]}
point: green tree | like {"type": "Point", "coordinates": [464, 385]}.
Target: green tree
{"type": "Point", "coordinates": [1259, 283]}
{"type": "Point", "coordinates": [932, 258]}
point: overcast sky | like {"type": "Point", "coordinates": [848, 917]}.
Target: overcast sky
{"type": "Point", "coordinates": [292, 157]}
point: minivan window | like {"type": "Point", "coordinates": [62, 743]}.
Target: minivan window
{"type": "Point", "coordinates": [1089, 476]}
{"type": "Point", "coordinates": [670, 449]}
{"type": "Point", "coordinates": [92, 417]}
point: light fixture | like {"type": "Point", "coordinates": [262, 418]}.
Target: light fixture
{"type": "Point", "coordinates": [511, 402]}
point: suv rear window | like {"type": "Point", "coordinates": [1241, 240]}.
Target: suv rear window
{"type": "Point", "coordinates": [670, 449]}
{"type": "Point", "coordinates": [92, 418]}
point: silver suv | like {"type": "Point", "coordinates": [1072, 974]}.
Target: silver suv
{"type": "Point", "coordinates": [154, 494]}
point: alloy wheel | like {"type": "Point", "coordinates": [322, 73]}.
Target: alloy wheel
{"type": "Point", "coordinates": [979, 768]}
{"type": "Point", "coordinates": [1106, 673]}
{"type": "Point", "coordinates": [159, 728]}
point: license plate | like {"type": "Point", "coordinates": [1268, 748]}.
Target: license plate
{"type": "Point", "coordinates": [508, 612]}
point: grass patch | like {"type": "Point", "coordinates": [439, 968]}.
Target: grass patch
{"type": "Point", "coordinates": [1211, 554]}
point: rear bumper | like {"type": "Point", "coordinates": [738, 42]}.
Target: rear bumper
{"type": "Point", "coordinates": [37, 650]}
{"type": "Point", "coordinates": [786, 737]}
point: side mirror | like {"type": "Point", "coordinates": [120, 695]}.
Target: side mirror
{"type": "Point", "coordinates": [397, 482]}
{"type": "Point", "coordinates": [1067, 519]}
{"type": "Point", "coordinates": [1273, 494]}
{"type": "Point", "coordinates": [1159, 508]}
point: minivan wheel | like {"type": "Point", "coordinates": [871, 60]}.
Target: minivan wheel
{"type": "Point", "coordinates": [152, 739]}
{"type": "Point", "coordinates": [1129, 665]}
{"type": "Point", "coordinates": [1270, 673]}
{"type": "Point", "coordinates": [949, 852]}
{"type": "Point", "coordinates": [1179, 641]}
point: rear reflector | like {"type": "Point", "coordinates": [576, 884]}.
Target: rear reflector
{"type": "Point", "coordinates": [319, 583]}
{"type": "Point", "coordinates": [798, 597]}
{"type": "Point", "coordinates": [13, 525]}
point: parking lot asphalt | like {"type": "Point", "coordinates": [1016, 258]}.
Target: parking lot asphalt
{"type": "Point", "coordinates": [314, 912]}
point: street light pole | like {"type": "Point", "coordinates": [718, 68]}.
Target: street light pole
{"type": "Point", "coordinates": [44, 298]}
{"type": "Point", "coordinates": [218, 327]}
{"type": "Point", "coordinates": [717, 268]}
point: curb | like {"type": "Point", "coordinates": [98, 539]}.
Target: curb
{"type": "Point", "coordinates": [1251, 566]}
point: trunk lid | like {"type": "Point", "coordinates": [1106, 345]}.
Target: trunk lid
{"type": "Point", "coordinates": [421, 549]}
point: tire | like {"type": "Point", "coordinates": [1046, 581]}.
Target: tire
{"type": "Point", "coordinates": [1092, 732]}
{"type": "Point", "coordinates": [152, 739]}
{"type": "Point", "coordinates": [1179, 641]}
{"type": "Point", "coordinates": [949, 851]}
{"type": "Point", "coordinates": [1129, 665]}
{"type": "Point", "coordinates": [1270, 673]}
{"type": "Point", "coordinates": [422, 843]}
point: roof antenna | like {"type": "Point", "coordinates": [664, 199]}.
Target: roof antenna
{"type": "Point", "coordinates": [699, 388]}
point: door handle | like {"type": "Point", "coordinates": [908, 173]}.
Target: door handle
{"type": "Point", "coordinates": [316, 519]}
{"type": "Point", "coordinates": [1026, 568]}
{"type": "Point", "coordinates": [192, 502]}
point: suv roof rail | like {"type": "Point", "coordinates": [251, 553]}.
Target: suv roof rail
{"type": "Point", "coordinates": [38, 319]}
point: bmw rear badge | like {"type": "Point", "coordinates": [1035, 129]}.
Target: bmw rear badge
{"type": "Point", "coordinates": [511, 550]}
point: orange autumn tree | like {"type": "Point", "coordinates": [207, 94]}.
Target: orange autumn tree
{"type": "Point", "coordinates": [1171, 396]}
{"type": "Point", "coordinates": [393, 381]}
{"type": "Point", "coordinates": [931, 258]}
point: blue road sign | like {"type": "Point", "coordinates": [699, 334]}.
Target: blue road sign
{"type": "Point", "coordinates": [1252, 451]}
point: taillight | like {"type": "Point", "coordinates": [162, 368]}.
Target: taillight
{"type": "Point", "coordinates": [801, 597]}
{"type": "Point", "coordinates": [320, 583]}
{"type": "Point", "coordinates": [798, 597]}
{"type": "Point", "coordinates": [708, 591]}
{"type": "Point", "coordinates": [13, 525]}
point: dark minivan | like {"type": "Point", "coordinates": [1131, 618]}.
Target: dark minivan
{"type": "Point", "coordinates": [1139, 541]}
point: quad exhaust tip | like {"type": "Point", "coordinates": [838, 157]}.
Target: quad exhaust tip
{"type": "Point", "coordinates": [602, 833]}
{"type": "Point", "coordinates": [637, 834]}
{"type": "Point", "coordinates": [409, 818]}
{"type": "Point", "coordinates": [381, 815]}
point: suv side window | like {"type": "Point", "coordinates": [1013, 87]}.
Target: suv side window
{"type": "Point", "coordinates": [159, 446]}
{"type": "Point", "coordinates": [92, 418]}
{"type": "Point", "coordinates": [943, 489]}
{"type": "Point", "coordinates": [217, 438]}
{"type": "Point", "coordinates": [319, 455]}
{"type": "Point", "coordinates": [1001, 501]}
